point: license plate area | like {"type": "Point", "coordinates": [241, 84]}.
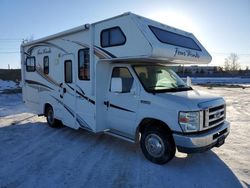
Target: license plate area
{"type": "Point", "coordinates": [219, 133]}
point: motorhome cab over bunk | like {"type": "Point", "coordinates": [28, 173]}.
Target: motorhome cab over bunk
{"type": "Point", "coordinates": [113, 77]}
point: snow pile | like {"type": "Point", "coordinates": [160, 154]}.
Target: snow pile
{"type": "Point", "coordinates": [7, 84]}
{"type": "Point", "coordinates": [221, 80]}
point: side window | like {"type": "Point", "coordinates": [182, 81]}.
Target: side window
{"type": "Point", "coordinates": [83, 64]}
{"type": "Point", "coordinates": [46, 64]}
{"type": "Point", "coordinates": [112, 37]}
{"type": "Point", "coordinates": [30, 64]}
{"type": "Point", "coordinates": [171, 38]}
{"type": "Point", "coordinates": [68, 71]}
{"type": "Point", "coordinates": [126, 78]}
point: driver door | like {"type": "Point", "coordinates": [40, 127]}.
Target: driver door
{"type": "Point", "coordinates": [122, 105]}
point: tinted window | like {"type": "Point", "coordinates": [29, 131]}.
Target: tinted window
{"type": "Point", "coordinates": [83, 64]}
{"type": "Point", "coordinates": [105, 39]}
{"type": "Point", "coordinates": [30, 64]}
{"type": "Point", "coordinates": [168, 37]}
{"type": "Point", "coordinates": [112, 37]}
{"type": "Point", "coordinates": [125, 75]}
{"type": "Point", "coordinates": [68, 71]}
{"type": "Point", "coordinates": [46, 65]}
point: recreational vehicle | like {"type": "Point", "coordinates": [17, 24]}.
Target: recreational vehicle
{"type": "Point", "coordinates": [113, 77]}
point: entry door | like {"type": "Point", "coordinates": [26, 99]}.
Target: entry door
{"type": "Point", "coordinates": [122, 106]}
{"type": "Point", "coordinates": [67, 91]}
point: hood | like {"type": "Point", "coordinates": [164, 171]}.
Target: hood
{"type": "Point", "coordinates": [191, 99]}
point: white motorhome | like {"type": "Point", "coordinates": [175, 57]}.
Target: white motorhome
{"type": "Point", "coordinates": [113, 77]}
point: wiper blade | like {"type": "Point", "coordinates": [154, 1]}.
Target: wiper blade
{"type": "Point", "coordinates": [185, 88]}
{"type": "Point", "coordinates": [172, 90]}
{"type": "Point", "coordinates": [152, 87]}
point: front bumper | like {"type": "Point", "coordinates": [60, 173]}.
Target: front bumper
{"type": "Point", "coordinates": [199, 142]}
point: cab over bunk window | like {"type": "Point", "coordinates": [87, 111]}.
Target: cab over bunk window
{"type": "Point", "coordinates": [46, 64]}
{"type": "Point", "coordinates": [68, 71]}
{"type": "Point", "coordinates": [30, 64]}
{"type": "Point", "coordinates": [83, 64]}
{"type": "Point", "coordinates": [112, 37]}
{"type": "Point", "coordinates": [171, 38]}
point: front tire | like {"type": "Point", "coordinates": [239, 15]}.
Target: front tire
{"type": "Point", "coordinates": [52, 122]}
{"type": "Point", "coordinates": [157, 145]}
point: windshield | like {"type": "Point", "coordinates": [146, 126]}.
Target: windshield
{"type": "Point", "coordinates": [159, 78]}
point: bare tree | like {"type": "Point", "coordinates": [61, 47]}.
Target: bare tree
{"type": "Point", "coordinates": [231, 63]}
{"type": "Point", "coordinates": [226, 65]}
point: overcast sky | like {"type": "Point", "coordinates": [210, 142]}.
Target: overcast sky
{"type": "Point", "coordinates": [222, 26]}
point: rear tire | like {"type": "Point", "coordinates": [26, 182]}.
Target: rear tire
{"type": "Point", "coordinates": [52, 122]}
{"type": "Point", "coordinates": [157, 145]}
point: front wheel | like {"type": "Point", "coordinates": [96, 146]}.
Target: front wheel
{"type": "Point", "coordinates": [51, 119]}
{"type": "Point", "coordinates": [157, 145]}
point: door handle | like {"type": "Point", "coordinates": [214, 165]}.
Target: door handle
{"type": "Point", "coordinates": [64, 90]}
{"type": "Point", "coordinates": [106, 103]}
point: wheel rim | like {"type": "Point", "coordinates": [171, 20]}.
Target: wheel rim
{"type": "Point", "coordinates": [50, 116]}
{"type": "Point", "coordinates": [154, 145]}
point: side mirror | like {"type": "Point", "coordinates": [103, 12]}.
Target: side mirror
{"type": "Point", "coordinates": [116, 85]}
{"type": "Point", "coordinates": [189, 81]}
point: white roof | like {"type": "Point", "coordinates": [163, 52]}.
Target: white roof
{"type": "Point", "coordinates": [167, 44]}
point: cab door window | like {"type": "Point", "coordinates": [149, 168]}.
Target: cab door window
{"type": "Point", "coordinates": [125, 76]}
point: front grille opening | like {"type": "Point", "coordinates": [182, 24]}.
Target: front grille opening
{"type": "Point", "coordinates": [216, 121]}
{"type": "Point", "coordinates": [216, 108]}
{"type": "Point", "coordinates": [214, 116]}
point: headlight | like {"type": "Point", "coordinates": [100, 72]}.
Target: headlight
{"type": "Point", "coordinates": [189, 121]}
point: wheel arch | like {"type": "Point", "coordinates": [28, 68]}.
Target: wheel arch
{"type": "Point", "coordinates": [148, 122]}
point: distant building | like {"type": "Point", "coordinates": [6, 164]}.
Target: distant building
{"type": "Point", "coordinates": [195, 69]}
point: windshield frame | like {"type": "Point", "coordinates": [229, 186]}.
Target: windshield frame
{"type": "Point", "coordinates": [160, 90]}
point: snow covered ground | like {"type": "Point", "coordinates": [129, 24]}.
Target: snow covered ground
{"type": "Point", "coordinates": [221, 80]}
{"type": "Point", "coordinates": [35, 155]}
{"type": "Point", "coordinates": [6, 84]}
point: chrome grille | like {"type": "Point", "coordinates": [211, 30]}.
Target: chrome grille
{"type": "Point", "coordinates": [214, 116]}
